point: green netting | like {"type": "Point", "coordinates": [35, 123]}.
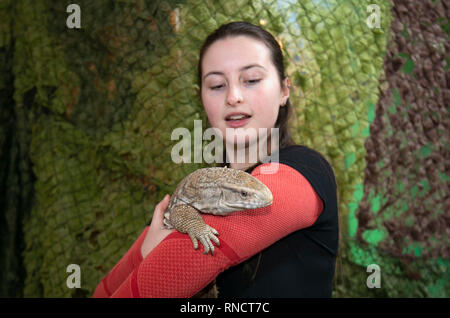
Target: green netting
{"type": "Point", "coordinates": [94, 110]}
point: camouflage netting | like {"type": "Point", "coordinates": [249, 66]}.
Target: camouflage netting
{"type": "Point", "coordinates": [404, 212]}
{"type": "Point", "coordinates": [87, 117]}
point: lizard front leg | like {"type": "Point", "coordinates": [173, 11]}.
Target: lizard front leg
{"type": "Point", "coordinates": [187, 219]}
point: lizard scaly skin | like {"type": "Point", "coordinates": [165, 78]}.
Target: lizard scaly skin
{"type": "Point", "coordinates": [215, 190]}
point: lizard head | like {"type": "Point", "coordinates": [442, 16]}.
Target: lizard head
{"type": "Point", "coordinates": [241, 191]}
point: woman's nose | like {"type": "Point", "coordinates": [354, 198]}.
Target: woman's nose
{"type": "Point", "coordinates": [234, 96]}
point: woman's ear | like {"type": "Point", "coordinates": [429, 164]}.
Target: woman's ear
{"type": "Point", "coordinates": [285, 91]}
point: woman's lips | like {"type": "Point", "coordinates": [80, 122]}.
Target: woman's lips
{"type": "Point", "coordinates": [240, 119]}
{"type": "Point", "coordinates": [237, 123]}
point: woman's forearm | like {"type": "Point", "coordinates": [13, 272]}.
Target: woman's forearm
{"type": "Point", "coordinates": [122, 269]}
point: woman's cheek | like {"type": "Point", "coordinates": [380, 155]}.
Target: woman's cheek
{"type": "Point", "coordinates": [263, 105]}
{"type": "Point", "coordinates": [212, 109]}
{"type": "Point", "coordinates": [270, 98]}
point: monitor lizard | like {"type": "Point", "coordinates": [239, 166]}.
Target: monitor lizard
{"type": "Point", "coordinates": [217, 191]}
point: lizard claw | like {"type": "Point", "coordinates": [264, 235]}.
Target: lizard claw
{"type": "Point", "coordinates": [205, 235]}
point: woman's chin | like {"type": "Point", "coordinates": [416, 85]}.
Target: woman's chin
{"type": "Point", "coordinates": [240, 142]}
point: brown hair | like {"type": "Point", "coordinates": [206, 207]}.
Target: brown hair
{"type": "Point", "coordinates": [247, 29]}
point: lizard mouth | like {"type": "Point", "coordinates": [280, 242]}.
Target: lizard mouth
{"type": "Point", "coordinates": [255, 204]}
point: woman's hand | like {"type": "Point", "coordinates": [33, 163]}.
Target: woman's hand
{"type": "Point", "coordinates": [156, 232]}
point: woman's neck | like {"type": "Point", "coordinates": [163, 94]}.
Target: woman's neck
{"type": "Point", "coordinates": [243, 162]}
{"type": "Point", "coordinates": [241, 166]}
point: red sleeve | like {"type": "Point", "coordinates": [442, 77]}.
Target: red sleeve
{"type": "Point", "coordinates": [175, 269]}
{"type": "Point", "coordinates": [122, 269]}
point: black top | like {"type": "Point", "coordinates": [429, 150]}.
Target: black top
{"type": "Point", "coordinates": [301, 264]}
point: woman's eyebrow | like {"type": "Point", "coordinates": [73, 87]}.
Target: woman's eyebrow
{"type": "Point", "coordinates": [240, 70]}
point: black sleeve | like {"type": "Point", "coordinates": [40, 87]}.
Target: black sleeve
{"type": "Point", "coordinates": [314, 167]}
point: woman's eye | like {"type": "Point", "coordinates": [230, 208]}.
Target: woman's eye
{"type": "Point", "coordinates": [248, 82]}
{"type": "Point", "coordinates": [216, 87]}
{"type": "Point", "coordinates": [253, 81]}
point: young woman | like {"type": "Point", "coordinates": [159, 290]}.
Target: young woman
{"type": "Point", "coordinates": [287, 249]}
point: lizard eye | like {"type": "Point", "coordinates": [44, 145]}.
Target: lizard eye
{"type": "Point", "coordinates": [244, 194]}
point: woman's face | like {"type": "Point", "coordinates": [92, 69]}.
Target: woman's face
{"type": "Point", "coordinates": [239, 78]}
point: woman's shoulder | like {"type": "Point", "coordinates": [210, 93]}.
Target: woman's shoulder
{"type": "Point", "coordinates": [295, 149]}
{"type": "Point", "coordinates": [302, 153]}
{"type": "Point", "coordinates": [307, 161]}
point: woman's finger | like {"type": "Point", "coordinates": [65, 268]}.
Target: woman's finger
{"type": "Point", "coordinates": [156, 233]}
{"type": "Point", "coordinates": [162, 205]}
{"type": "Point", "coordinates": [160, 208]}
